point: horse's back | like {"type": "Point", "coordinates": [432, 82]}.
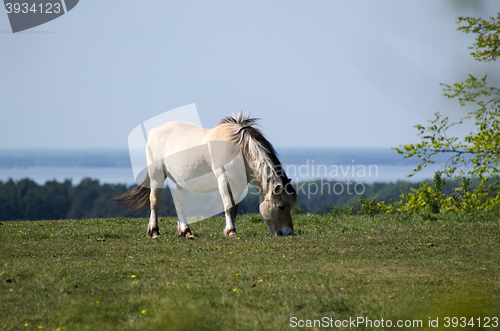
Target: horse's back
{"type": "Point", "coordinates": [190, 154]}
{"type": "Point", "coordinates": [222, 132]}
{"type": "Point", "coordinates": [174, 137]}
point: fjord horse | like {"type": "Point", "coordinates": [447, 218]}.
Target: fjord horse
{"type": "Point", "coordinates": [226, 158]}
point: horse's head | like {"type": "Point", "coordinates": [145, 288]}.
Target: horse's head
{"type": "Point", "coordinates": [275, 209]}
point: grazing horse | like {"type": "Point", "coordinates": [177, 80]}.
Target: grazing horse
{"type": "Point", "coordinates": [206, 160]}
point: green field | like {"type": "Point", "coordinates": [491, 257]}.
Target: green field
{"type": "Point", "coordinates": [62, 274]}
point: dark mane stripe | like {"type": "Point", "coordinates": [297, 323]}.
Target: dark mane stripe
{"type": "Point", "coordinates": [244, 132]}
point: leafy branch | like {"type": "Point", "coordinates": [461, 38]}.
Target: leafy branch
{"type": "Point", "coordinates": [478, 154]}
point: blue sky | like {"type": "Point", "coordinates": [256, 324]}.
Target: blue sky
{"type": "Point", "coordinates": [319, 74]}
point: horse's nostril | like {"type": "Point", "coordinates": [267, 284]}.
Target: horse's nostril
{"type": "Point", "coordinates": [279, 233]}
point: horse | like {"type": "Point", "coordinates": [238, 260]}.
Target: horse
{"type": "Point", "coordinates": [226, 158]}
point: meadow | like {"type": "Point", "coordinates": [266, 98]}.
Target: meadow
{"type": "Point", "coordinates": [104, 274]}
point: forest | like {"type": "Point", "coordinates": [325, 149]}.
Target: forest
{"type": "Point", "coordinates": [28, 200]}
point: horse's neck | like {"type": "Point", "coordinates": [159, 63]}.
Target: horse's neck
{"type": "Point", "coordinates": [255, 178]}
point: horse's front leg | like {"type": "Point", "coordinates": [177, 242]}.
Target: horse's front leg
{"type": "Point", "coordinates": [230, 207]}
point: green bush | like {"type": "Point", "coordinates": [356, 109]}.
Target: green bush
{"type": "Point", "coordinates": [431, 199]}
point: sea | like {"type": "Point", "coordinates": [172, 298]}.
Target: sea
{"type": "Point", "coordinates": [112, 166]}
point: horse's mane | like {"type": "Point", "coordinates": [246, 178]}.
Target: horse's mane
{"type": "Point", "coordinates": [252, 142]}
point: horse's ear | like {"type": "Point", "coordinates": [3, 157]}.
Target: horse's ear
{"type": "Point", "coordinates": [278, 188]}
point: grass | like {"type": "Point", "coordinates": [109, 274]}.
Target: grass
{"type": "Point", "coordinates": [61, 274]}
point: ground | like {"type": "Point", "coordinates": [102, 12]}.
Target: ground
{"type": "Point", "coordinates": [104, 274]}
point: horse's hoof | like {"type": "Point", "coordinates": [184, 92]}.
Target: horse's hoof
{"type": "Point", "coordinates": [231, 233]}
{"type": "Point", "coordinates": [187, 234]}
{"type": "Point", "coordinates": [154, 233]}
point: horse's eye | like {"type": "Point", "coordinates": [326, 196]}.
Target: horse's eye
{"type": "Point", "coordinates": [281, 207]}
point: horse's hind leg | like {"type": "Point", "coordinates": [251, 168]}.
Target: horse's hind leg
{"type": "Point", "coordinates": [230, 229]}
{"type": "Point", "coordinates": [157, 180]}
{"type": "Point", "coordinates": [155, 199]}
{"type": "Point", "coordinates": [180, 200]}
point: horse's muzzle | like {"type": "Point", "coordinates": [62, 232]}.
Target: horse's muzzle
{"type": "Point", "coordinates": [284, 231]}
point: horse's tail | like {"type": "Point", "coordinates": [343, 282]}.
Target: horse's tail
{"type": "Point", "coordinates": [136, 198]}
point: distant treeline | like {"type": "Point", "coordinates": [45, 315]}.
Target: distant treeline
{"type": "Point", "coordinates": [27, 200]}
